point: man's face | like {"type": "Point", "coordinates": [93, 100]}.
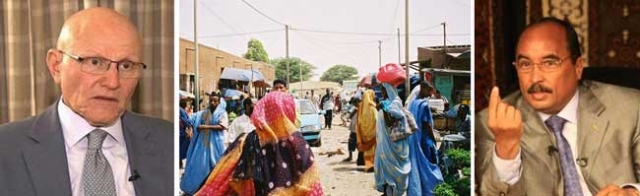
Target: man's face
{"type": "Point", "coordinates": [550, 91]}
{"type": "Point", "coordinates": [383, 92]}
{"type": "Point", "coordinates": [249, 108]}
{"type": "Point", "coordinates": [425, 91]}
{"type": "Point", "coordinates": [214, 101]}
{"type": "Point", "coordinates": [280, 87]}
{"type": "Point", "coordinates": [99, 99]}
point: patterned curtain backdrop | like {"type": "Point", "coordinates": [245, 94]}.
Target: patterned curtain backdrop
{"type": "Point", "coordinates": [28, 28]}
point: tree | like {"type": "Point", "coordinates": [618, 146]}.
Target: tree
{"type": "Point", "coordinates": [294, 68]}
{"type": "Point", "coordinates": [339, 73]}
{"type": "Point", "coordinates": [256, 52]}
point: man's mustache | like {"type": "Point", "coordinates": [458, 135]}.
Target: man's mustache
{"type": "Point", "coordinates": [539, 88]}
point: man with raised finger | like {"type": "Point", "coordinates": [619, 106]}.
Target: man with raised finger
{"type": "Point", "coordinates": [559, 135]}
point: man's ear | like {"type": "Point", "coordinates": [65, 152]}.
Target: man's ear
{"type": "Point", "coordinates": [54, 60]}
{"type": "Point", "coordinates": [579, 66]}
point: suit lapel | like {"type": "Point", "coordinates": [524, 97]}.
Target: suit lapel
{"type": "Point", "coordinates": [140, 150]}
{"type": "Point", "coordinates": [536, 139]}
{"type": "Point", "coordinates": [591, 128]}
{"type": "Point", "coordinates": [46, 159]}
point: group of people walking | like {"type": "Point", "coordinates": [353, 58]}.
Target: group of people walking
{"type": "Point", "coordinates": [268, 155]}
{"type": "Point", "coordinates": [395, 143]}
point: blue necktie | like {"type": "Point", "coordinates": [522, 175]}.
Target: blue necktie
{"type": "Point", "coordinates": [569, 172]}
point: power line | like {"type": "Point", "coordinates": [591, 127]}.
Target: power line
{"type": "Point", "coordinates": [245, 33]}
{"type": "Point", "coordinates": [372, 34]}
{"type": "Point", "coordinates": [395, 13]}
{"type": "Point", "coordinates": [342, 42]}
{"type": "Point", "coordinates": [256, 9]}
{"type": "Point", "coordinates": [427, 28]}
{"type": "Point", "coordinates": [219, 18]}
{"type": "Point", "coordinates": [448, 34]}
{"type": "Point", "coordinates": [332, 50]}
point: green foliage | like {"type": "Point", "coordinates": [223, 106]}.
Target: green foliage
{"type": "Point", "coordinates": [460, 185]}
{"type": "Point", "coordinates": [444, 189]}
{"type": "Point", "coordinates": [256, 52]}
{"type": "Point", "coordinates": [294, 68]}
{"type": "Point", "coordinates": [460, 158]}
{"type": "Point", "coordinates": [466, 171]}
{"type": "Point", "coordinates": [339, 73]}
{"type": "Point", "coordinates": [232, 116]}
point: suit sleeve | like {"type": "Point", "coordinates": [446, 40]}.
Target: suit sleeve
{"type": "Point", "coordinates": [636, 142]}
{"type": "Point", "coordinates": [487, 178]}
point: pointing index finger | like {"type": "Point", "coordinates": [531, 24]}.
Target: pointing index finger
{"type": "Point", "coordinates": [494, 101]}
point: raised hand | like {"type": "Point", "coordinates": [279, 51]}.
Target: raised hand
{"type": "Point", "coordinates": [505, 122]}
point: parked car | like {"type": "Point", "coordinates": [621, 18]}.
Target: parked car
{"type": "Point", "coordinates": [310, 126]}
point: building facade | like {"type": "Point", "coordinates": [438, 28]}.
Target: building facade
{"type": "Point", "coordinates": [212, 63]}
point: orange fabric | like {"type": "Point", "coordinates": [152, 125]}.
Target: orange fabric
{"type": "Point", "coordinates": [219, 178]}
{"type": "Point", "coordinates": [308, 184]}
{"type": "Point", "coordinates": [366, 127]}
{"type": "Point", "coordinates": [274, 117]}
{"type": "Point", "coordinates": [369, 158]}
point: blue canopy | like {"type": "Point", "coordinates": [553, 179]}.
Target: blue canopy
{"type": "Point", "coordinates": [241, 75]}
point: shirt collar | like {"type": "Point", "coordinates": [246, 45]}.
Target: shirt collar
{"type": "Point", "coordinates": [75, 127]}
{"type": "Point", "coordinates": [569, 112]}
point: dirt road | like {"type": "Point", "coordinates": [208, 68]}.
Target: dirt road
{"type": "Point", "coordinates": [337, 177]}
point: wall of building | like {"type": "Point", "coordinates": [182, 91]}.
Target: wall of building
{"type": "Point", "coordinates": [435, 53]}
{"type": "Point", "coordinates": [212, 62]}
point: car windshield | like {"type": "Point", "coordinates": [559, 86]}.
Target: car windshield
{"type": "Point", "coordinates": [305, 107]}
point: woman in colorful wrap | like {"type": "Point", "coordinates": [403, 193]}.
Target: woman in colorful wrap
{"type": "Point", "coordinates": [425, 174]}
{"type": "Point", "coordinates": [272, 160]}
{"type": "Point", "coordinates": [392, 164]}
{"type": "Point", "coordinates": [207, 144]}
{"type": "Point", "coordinates": [366, 129]}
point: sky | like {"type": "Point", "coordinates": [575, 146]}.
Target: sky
{"type": "Point", "coordinates": [327, 32]}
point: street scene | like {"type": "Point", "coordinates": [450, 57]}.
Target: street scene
{"type": "Point", "coordinates": [291, 98]}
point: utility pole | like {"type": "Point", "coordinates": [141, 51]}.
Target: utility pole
{"type": "Point", "coordinates": [406, 47]}
{"type": "Point", "coordinates": [444, 48]}
{"type": "Point", "coordinates": [399, 48]}
{"type": "Point", "coordinates": [379, 53]}
{"type": "Point", "coordinates": [300, 73]}
{"type": "Point", "coordinates": [287, 38]}
{"type": "Point", "coordinates": [195, 41]}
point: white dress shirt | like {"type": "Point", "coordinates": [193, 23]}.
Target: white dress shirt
{"type": "Point", "coordinates": [75, 129]}
{"type": "Point", "coordinates": [509, 171]}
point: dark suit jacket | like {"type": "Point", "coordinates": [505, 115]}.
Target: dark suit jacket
{"type": "Point", "coordinates": [608, 144]}
{"type": "Point", "coordinates": [33, 158]}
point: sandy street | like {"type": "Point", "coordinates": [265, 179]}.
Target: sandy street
{"type": "Point", "coordinates": [337, 177]}
{"type": "Point", "coordinates": [341, 178]}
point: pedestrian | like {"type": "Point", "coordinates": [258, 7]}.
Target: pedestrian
{"type": "Point", "coordinates": [326, 103]}
{"type": "Point", "coordinates": [353, 137]}
{"type": "Point", "coordinates": [279, 85]}
{"type": "Point", "coordinates": [274, 159]}
{"type": "Point", "coordinates": [366, 129]}
{"type": "Point", "coordinates": [338, 104]}
{"type": "Point", "coordinates": [186, 131]}
{"type": "Point", "coordinates": [315, 99]}
{"type": "Point", "coordinates": [392, 164]}
{"type": "Point", "coordinates": [424, 174]}
{"type": "Point", "coordinates": [243, 123]}
{"type": "Point", "coordinates": [207, 144]}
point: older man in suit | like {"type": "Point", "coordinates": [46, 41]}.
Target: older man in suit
{"type": "Point", "coordinates": [87, 143]}
{"type": "Point", "coordinates": [559, 135]}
